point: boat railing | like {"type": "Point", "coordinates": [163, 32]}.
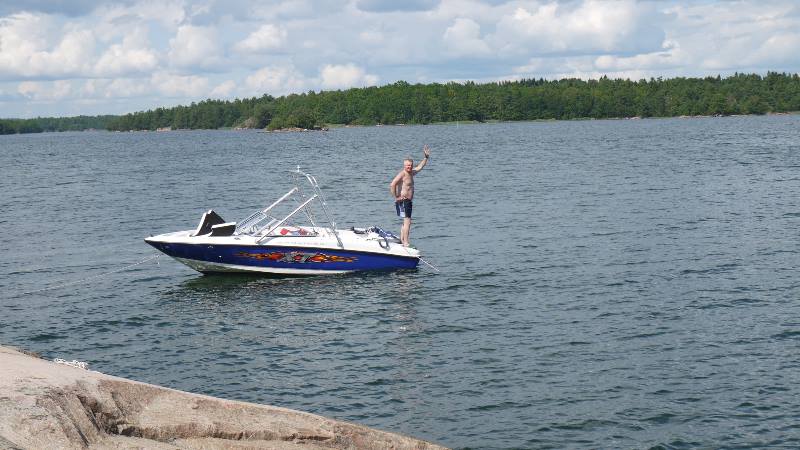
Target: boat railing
{"type": "Point", "coordinates": [318, 193]}
{"type": "Point", "coordinates": [282, 221]}
{"type": "Point", "coordinates": [254, 223]}
{"type": "Point", "coordinates": [263, 223]}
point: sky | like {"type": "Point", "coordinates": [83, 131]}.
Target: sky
{"type": "Point", "coordinates": [83, 57]}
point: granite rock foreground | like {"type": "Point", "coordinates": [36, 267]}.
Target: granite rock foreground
{"type": "Point", "coordinates": [48, 405]}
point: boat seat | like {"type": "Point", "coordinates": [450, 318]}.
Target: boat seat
{"type": "Point", "coordinates": [209, 219]}
{"type": "Point", "coordinates": [223, 229]}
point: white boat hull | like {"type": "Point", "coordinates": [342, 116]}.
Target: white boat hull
{"type": "Point", "coordinates": [313, 254]}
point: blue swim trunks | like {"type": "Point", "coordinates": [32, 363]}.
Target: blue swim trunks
{"type": "Point", "coordinates": [403, 208]}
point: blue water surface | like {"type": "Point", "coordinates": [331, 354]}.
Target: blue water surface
{"type": "Point", "coordinates": [604, 284]}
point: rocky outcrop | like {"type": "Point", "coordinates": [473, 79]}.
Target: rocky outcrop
{"type": "Point", "coordinates": [48, 405]}
{"type": "Point", "coordinates": [297, 129]}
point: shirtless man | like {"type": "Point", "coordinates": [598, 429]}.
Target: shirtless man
{"type": "Point", "coordinates": [402, 189]}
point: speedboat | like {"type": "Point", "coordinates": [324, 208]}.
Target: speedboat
{"type": "Point", "coordinates": [272, 241]}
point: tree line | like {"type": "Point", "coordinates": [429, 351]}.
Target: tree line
{"type": "Point", "coordinates": [527, 99]}
{"type": "Point", "coordinates": [42, 124]}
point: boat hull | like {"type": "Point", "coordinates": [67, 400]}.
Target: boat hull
{"type": "Point", "coordinates": [279, 260]}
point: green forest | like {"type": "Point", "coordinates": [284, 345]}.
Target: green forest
{"type": "Point", "coordinates": [529, 99]}
{"type": "Point", "coordinates": [42, 124]}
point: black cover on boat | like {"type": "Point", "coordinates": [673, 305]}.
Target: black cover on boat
{"type": "Point", "coordinates": [208, 220]}
{"type": "Point", "coordinates": [223, 229]}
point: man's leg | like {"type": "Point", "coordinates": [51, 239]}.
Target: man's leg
{"type": "Point", "coordinates": [406, 231]}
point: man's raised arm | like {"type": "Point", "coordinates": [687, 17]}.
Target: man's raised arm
{"type": "Point", "coordinates": [427, 151]}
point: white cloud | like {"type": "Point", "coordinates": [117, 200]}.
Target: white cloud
{"type": "Point", "coordinates": [267, 37]}
{"type": "Point", "coordinates": [394, 5]}
{"type": "Point", "coordinates": [89, 88]}
{"type": "Point", "coordinates": [481, 11]}
{"type": "Point", "coordinates": [129, 57]}
{"type": "Point", "coordinates": [779, 49]}
{"type": "Point", "coordinates": [699, 39]}
{"type": "Point", "coordinates": [288, 10]}
{"type": "Point", "coordinates": [195, 47]}
{"type": "Point", "coordinates": [334, 76]}
{"type": "Point", "coordinates": [275, 80]}
{"type": "Point", "coordinates": [754, 35]}
{"type": "Point", "coordinates": [67, 8]}
{"type": "Point", "coordinates": [463, 38]}
{"type": "Point", "coordinates": [55, 90]}
{"type": "Point", "coordinates": [284, 79]}
{"type": "Point", "coordinates": [114, 88]}
{"type": "Point", "coordinates": [671, 57]}
{"type": "Point", "coordinates": [126, 88]}
{"type": "Point", "coordinates": [29, 88]}
{"type": "Point", "coordinates": [371, 36]}
{"type": "Point", "coordinates": [223, 90]}
{"type": "Point", "coordinates": [167, 13]}
{"type": "Point", "coordinates": [589, 27]}
{"type": "Point", "coordinates": [179, 85]}
{"type": "Point", "coordinates": [72, 55]}
{"type": "Point", "coordinates": [27, 51]}
{"type": "Point", "coordinates": [159, 85]}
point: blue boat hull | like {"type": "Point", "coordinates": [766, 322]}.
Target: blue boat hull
{"type": "Point", "coordinates": [279, 259]}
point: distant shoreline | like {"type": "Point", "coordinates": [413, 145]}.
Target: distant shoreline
{"type": "Point", "coordinates": [329, 127]}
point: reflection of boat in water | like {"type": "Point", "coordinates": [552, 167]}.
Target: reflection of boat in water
{"type": "Point", "coordinates": [272, 243]}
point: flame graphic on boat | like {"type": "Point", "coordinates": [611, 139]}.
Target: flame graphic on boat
{"type": "Point", "coordinates": [298, 257]}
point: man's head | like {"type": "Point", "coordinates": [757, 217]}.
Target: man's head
{"type": "Point", "coordinates": [408, 164]}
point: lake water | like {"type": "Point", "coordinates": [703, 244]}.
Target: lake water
{"type": "Point", "coordinates": [604, 284]}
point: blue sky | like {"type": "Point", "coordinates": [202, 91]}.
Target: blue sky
{"type": "Point", "coordinates": [70, 57]}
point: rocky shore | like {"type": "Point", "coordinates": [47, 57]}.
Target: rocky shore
{"type": "Point", "coordinates": [49, 405]}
